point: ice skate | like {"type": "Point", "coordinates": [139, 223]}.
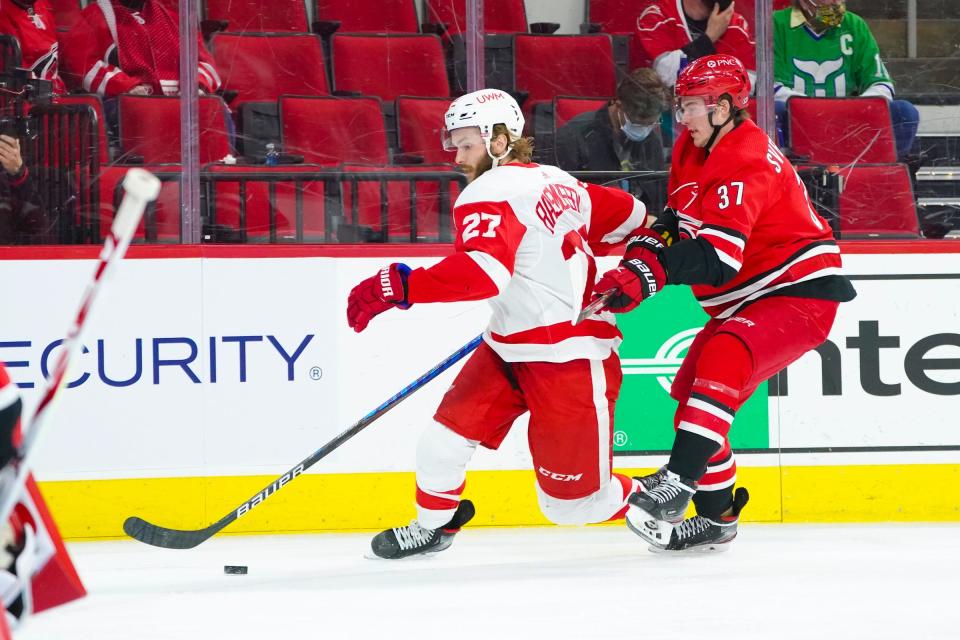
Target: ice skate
{"type": "Point", "coordinates": [411, 540]}
{"type": "Point", "coordinates": [702, 535]}
{"type": "Point", "coordinates": [648, 482]}
{"type": "Point", "coordinates": [652, 514]}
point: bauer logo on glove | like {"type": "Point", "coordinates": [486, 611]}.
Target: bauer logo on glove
{"type": "Point", "coordinates": [639, 276]}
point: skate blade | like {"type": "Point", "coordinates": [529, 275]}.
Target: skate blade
{"type": "Point", "coordinates": [370, 555]}
{"type": "Point", "coordinates": [654, 532]}
{"type": "Point", "coordinates": [702, 549]}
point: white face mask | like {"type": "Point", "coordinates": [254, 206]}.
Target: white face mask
{"type": "Point", "coordinates": [635, 132]}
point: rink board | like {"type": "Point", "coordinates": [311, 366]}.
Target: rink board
{"type": "Point", "coordinates": [210, 370]}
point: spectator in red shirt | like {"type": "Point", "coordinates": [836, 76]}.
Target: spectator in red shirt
{"type": "Point", "coordinates": [31, 22]}
{"type": "Point", "coordinates": [673, 33]}
{"type": "Point", "coordinates": [130, 46]}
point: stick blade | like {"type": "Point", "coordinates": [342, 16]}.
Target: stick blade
{"type": "Point", "coordinates": [595, 306]}
{"type": "Point", "coordinates": [140, 529]}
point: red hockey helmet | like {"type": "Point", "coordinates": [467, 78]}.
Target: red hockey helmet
{"type": "Point", "coordinates": [712, 76]}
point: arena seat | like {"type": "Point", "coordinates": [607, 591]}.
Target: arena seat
{"type": "Point", "coordinates": [150, 128]}
{"type": "Point", "coordinates": [619, 19]}
{"type": "Point", "coordinates": [419, 123]}
{"type": "Point", "coordinates": [389, 66]}
{"type": "Point", "coordinates": [552, 65]}
{"type": "Point", "coordinates": [358, 16]}
{"type": "Point", "coordinates": [263, 66]}
{"type": "Point", "coordinates": [567, 107]}
{"type": "Point", "coordinates": [259, 15]}
{"type": "Point", "coordinates": [841, 130]}
{"type": "Point", "coordinates": [331, 131]}
{"type": "Point", "coordinates": [876, 201]}
{"type": "Point", "coordinates": [499, 16]}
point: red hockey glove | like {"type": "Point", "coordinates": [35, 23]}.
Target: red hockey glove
{"type": "Point", "coordinates": [639, 276]}
{"type": "Point", "coordinates": [376, 294]}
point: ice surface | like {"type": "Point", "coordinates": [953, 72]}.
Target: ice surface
{"type": "Point", "coordinates": [778, 581]}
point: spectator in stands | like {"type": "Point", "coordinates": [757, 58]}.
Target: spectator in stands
{"type": "Point", "coordinates": [130, 46]}
{"type": "Point", "coordinates": [21, 217]}
{"type": "Point", "coordinates": [672, 34]}
{"type": "Point", "coordinates": [622, 136]}
{"type": "Point", "coordinates": [31, 22]}
{"type": "Point", "coordinates": [821, 49]}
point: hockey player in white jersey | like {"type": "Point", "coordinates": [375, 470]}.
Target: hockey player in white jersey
{"type": "Point", "coordinates": [526, 237]}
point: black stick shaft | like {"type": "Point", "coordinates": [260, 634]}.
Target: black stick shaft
{"type": "Point", "coordinates": [158, 536]}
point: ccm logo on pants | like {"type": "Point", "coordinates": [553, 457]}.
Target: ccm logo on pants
{"type": "Point", "coordinates": [559, 476]}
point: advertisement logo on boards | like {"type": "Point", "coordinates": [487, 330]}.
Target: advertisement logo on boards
{"type": "Point", "coordinates": [156, 360]}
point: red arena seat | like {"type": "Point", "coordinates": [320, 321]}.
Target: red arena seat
{"type": "Point", "coordinates": [331, 131]}
{"type": "Point", "coordinates": [358, 16]}
{"type": "Point", "coordinates": [547, 66]}
{"type": "Point", "coordinates": [841, 130]}
{"type": "Point", "coordinates": [263, 66]}
{"type": "Point", "coordinates": [259, 15]}
{"type": "Point", "coordinates": [566, 107]}
{"type": "Point", "coordinates": [419, 122]}
{"type": "Point", "coordinates": [876, 201]}
{"type": "Point", "coordinates": [499, 16]}
{"type": "Point", "coordinates": [150, 128]}
{"type": "Point", "coordinates": [389, 66]}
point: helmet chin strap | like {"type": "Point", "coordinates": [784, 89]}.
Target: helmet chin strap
{"type": "Point", "coordinates": [496, 159]}
{"type": "Point", "coordinates": [716, 128]}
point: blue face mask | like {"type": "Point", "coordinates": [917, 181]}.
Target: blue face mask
{"type": "Point", "coordinates": [636, 132]}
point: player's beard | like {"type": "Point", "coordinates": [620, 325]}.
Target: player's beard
{"type": "Point", "coordinates": [475, 171]}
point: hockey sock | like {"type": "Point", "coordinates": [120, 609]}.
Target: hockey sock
{"type": "Point", "coordinates": [703, 422]}
{"type": "Point", "coordinates": [715, 492]}
{"type": "Point", "coordinates": [442, 457]}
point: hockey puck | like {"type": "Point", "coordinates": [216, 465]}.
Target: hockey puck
{"type": "Point", "coordinates": [235, 570]}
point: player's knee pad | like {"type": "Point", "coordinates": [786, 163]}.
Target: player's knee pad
{"type": "Point", "coordinates": [599, 506]}
{"type": "Point", "coordinates": [724, 368]}
{"type": "Point", "coordinates": [442, 457]}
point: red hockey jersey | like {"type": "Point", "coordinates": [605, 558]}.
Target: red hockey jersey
{"type": "Point", "coordinates": [526, 236]}
{"type": "Point", "coordinates": [42, 575]}
{"type": "Point", "coordinates": [747, 201]}
{"type": "Point", "coordinates": [662, 31]}
{"type": "Point", "coordinates": [113, 49]}
{"type": "Point", "coordinates": [36, 31]}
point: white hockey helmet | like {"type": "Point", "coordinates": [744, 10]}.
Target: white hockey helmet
{"type": "Point", "coordinates": [484, 109]}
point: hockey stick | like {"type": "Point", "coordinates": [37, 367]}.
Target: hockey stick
{"type": "Point", "coordinates": [141, 188]}
{"type": "Point", "coordinates": [158, 536]}
{"type": "Point", "coordinates": [596, 305]}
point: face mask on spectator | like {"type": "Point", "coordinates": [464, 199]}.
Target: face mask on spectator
{"type": "Point", "coordinates": [827, 13]}
{"type": "Point", "coordinates": [635, 132]}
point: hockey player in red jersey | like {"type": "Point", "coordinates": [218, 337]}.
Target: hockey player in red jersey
{"type": "Point", "coordinates": [31, 23]}
{"type": "Point", "coordinates": [740, 230]}
{"type": "Point", "coordinates": [35, 570]}
{"type": "Point", "coordinates": [130, 46]}
{"type": "Point", "coordinates": [672, 33]}
{"type": "Point", "coordinates": [526, 236]}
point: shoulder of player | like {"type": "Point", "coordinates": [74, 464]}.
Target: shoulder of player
{"type": "Point", "coordinates": [747, 151]}
{"type": "Point", "coordinates": [501, 184]}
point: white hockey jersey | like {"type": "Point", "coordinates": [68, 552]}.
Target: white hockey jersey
{"type": "Point", "coordinates": [533, 231]}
